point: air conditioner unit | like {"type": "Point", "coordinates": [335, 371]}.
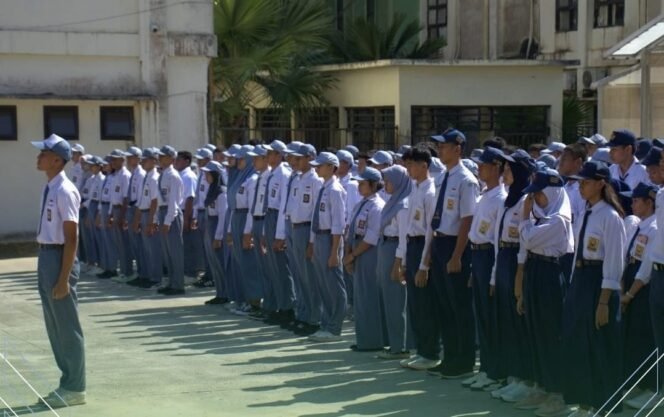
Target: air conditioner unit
{"type": "Point", "coordinates": [590, 75]}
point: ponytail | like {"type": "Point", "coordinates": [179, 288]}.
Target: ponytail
{"type": "Point", "coordinates": [611, 198]}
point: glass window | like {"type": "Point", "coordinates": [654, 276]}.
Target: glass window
{"type": "Point", "coordinates": [436, 19]}
{"type": "Point", "coordinates": [566, 15]}
{"type": "Point", "coordinates": [61, 120]}
{"type": "Point", "coordinates": [117, 123]}
{"type": "Point", "coordinates": [609, 13]}
{"type": "Point", "coordinates": [8, 130]}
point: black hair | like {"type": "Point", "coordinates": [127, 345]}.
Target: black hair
{"type": "Point", "coordinates": [186, 155]}
{"type": "Point", "coordinates": [254, 142]}
{"type": "Point", "coordinates": [418, 154]}
{"type": "Point", "coordinates": [509, 149]}
{"type": "Point", "coordinates": [495, 142]}
{"type": "Point", "coordinates": [536, 147]}
{"type": "Point", "coordinates": [521, 176]}
{"type": "Point", "coordinates": [217, 150]}
{"type": "Point", "coordinates": [331, 149]}
{"type": "Point", "coordinates": [429, 146]}
{"type": "Point", "coordinates": [577, 150]}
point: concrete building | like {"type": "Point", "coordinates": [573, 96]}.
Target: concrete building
{"type": "Point", "coordinates": [105, 74]}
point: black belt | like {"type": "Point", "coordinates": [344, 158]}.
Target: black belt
{"type": "Point", "coordinates": [242, 210]}
{"type": "Point", "coordinates": [144, 210]}
{"type": "Point", "coordinates": [390, 238]}
{"type": "Point", "coordinates": [550, 259]}
{"type": "Point", "coordinates": [504, 244]}
{"type": "Point", "coordinates": [259, 217]}
{"type": "Point", "coordinates": [117, 205]}
{"type": "Point", "coordinates": [440, 234]}
{"type": "Point", "coordinates": [657, 267]}
{"type": "Point", "coordinates": [585, 263]}
{"type": "Point", "coordinates": [301, 224]}
{"type": "Point", "coordinates": [272, 209]}
{"type": "Point", "coordinates": [481, 246]}
{"type": "Point", "coordinates": [50, 246]}
{"type": "Point", "coordinates": [415, 238]}
{"type": "Point", "coordinates": [633, 260]}
{"type": "Point", "coordinates": [133, 203]}
{"type": "Point", "coordinates": [323, 232]}
{"type": "Point", "coordinates": [163, 207]}
{"type": "Point", "coordinates": [358, 237]}
{"type": "Point", "coordinates": [106, 202]}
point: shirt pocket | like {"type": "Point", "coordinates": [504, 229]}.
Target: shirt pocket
{"type": "Point", "coordinates": [484, 226]}
{"type": "Point", "coordinates": [593, 244]}
{"type": "Point", "coordinates": [451, 202]}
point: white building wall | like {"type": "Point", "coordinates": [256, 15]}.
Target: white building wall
{"type": "Point", "coordinates": [151, 55]}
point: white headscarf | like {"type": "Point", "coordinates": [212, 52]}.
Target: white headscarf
{"type": "Point", "coordinates": [559, 205]}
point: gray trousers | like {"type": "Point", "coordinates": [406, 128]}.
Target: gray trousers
{"type": "Point", "coordinates": [291, 257]}
{"type": "Point", "coordinates": [172, 250]}
{"type": "Point", "coordinates": [136, 244]}
{"type": "Point", "coordinates": [269, 298]}
{"type": "Point", "coordinates": [89, 234]}
{"type": "Point", "coordinates": [309, 297]}
{"type": "Point", "coordinates": [61, 318]}
{"type": "Point", "coordinates": [657, 314]}
{"type": "Point", "coordinates": [151, 250]}
{"type": "Point", "coordinates": [394, 297]}
{"type": "Point", "coordinates": [331, 286]}
{"type": "Point", "coordinates": [121, 239]}
{"type": "Point", "coordinates": [109, 252]}
{"type": "Point", "coordinates": [214, 257]}
{"type": "Point", "coordinates": [369, 331]}
{"type": "Point", "coordinates": [193, 251]}
{"type": "Point", "coordinates": [248, 273]}
{"type": "Point", "coordinates": [279, 272]}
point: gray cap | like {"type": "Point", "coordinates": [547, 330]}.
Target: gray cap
{"type": "Point", "coordinates": [599, 139]}
{"type": "Point", "coordinates": [78, 148]}
{"type": "Point", "coordinates": [325, 158]}
{"type": "Point", "coordinates": [472, 166]}
{"type": "Point", "coordinates": [293, 147]}
{"type": "Point", "coordinates": [556, 147]}
{"type": "Point", "coordinates": [203, 153]}
{"type": "Point", "coordinates": [149, 153]}
{"type": "Point", "coordinates": [232, 151]}
{"type": "Point", "coordinates": [353, 150]}
{"type": "Point", "coordinates": [213, 166]}
{"type": "Point", "coordinates": [436, 166]}
{"type": "Point", "coordinates": [346, 156]}
{"type": "Point", "coordinates": [259, 150]}
{"type": "Point", "coordinates": [134, 151]}
{"type": "Point", "coordinates": [382, 157]}
{"type": "Point", "coordinates": [55, 144]}
{"type": "Point", "coordinates": [308, 150]}
{"type": "Point", "coordinates": [210, 146]}
{"type": "Point", "coordinates": [167, 150]}
{"type": "Point", "coordinates": [548, 160]}
{"type": "Point", "coordinates": [277, 146]}
{"type": "Point", "coordinates": [117, 154]}
{"type": "Point", "coordinates": [369, 174]}
{"type": "Point", "coordinates": [602, 155]}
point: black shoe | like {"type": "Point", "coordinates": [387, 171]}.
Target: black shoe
{"type": "Point", "coordinates": [438, 370]}
{"type": "Point", "coordinates": [200, 283]}
{"type": "Point", "coordinates": [307, 330]}
{"type": "Point", "coordinates": [217, 301]}
{"type": "Point", "coordinates": [456, 372]}
{"type": "Point", "coordinates": [290, 324]}
{"type": "Point", "coordinates": [355, 348]}
{"type": "Point", "coordinates": [275, 318]}
{"type": "Point", "coordinates": [173, 291]}
{"type": "Point", "coordinates": [105, 275]}
{"type": "Point", "coordinates": [136, 282]}
{"type": "Point", "coordinates": [146, 284]}
{"type": "Point", "coordinates": [258, 314]}
{"type": "Point", "coordinates": [112, 274]}
{"type": "Point", "coordinates": [164, 290]}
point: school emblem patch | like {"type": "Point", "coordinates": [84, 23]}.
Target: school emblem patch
{"type": "Point", "coordinates": [639, 250]}
{"type": "Point", "coordinates": [513, 232]}
{"type": "Point", "coordinates": [593, 244]}
{"type": "Point", "coordinates": [306, 198]}
{"type": "Point", "coordinates": [484, 227]}
{"type": "Point", "coordinates": [450, 204]}
{"type": "Point", "coordinates": [418, 216]}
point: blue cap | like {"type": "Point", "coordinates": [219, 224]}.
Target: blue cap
{"type": "Point", "coordinates": [211, 147]}
{"type": "Point", "coordinates": [97, 160]}
{"type": "Point", "coordinates": [134, 151]}
{"type": "Point", "coordinates": [489, 155]}
{"type": "Point", "coordinates": [346, 156]}
{"type": "Point", "coordinates": [585, 140]}
{"type": "Point", "coordinates": [382, 157]}
{"type": "Point", "coordinates": [369, 174]}
{"type": "Point", "coordinates": [107, 159]}
{"type": "Point", "coordinates": [599, 140]}
{"type": "Point", "coordinates": [402, 150]}
{"type": "Point", "coordinates": [653, 157]}
{"type": "Point", "coordinates": [549, 161]}
{"type": "Point", "coordinates": [167, 150]}
{"type": "Point", "coordinates": [643, 146]}
{"type": "Point", "coordinates": [436, 167]}
{"type": "Point", "coordinates": [642, 190]}
{"type": "Point", "coordinates": [117, 154]}
{"type": "Point", "coordinates": [353, 150]}
{"type": "Point", "coordinates": [277, 146]}
{"type": "Point", "coordinates": [450, 136]}
{"type": "Point", "coordinates": [78, 148]}
{"type": "Point", "coordinates": [524, 159]}
{"type": "Point", "coordinates": [602, 155]}
{"type": "Point", "coordinates": [203, 153]}
{"type": "Point", "coordinates": [622, 137]}
{"type": "Point", "coordinates": [55, 144]}
{"type": "Point", "coordinates": [308, 150]}
{"type": "Point", "coordinates": [213, 166]}
{"type": "Point", "coordinates": [593, 170]}
{"type": "Point", "coordinates": [293, 147]}
{"type": "Point", "coordinates": [232, 151]}
{"type": "Point", "coordinates": [325, 158]}
{"type": "Point", "coordinates": [243, 151]}
{"type": "Point", "coordinates": [259, 150]}
{"type": "Point", "coordinates": [544, 178]}
{"type": "Point", "coordinates": [658, 142]}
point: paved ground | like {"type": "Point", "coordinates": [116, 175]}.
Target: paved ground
{"type": "Point", "coordinates": [151, 356]}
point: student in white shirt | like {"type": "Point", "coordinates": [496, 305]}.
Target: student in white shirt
{"type": "Point", "coordinates": [90, 190]}
{"type": "Point", "coordinates": [639, 341]}
{"type": "Point", "coordinates": [192, 238]}
{"type": "Point", "coordinates": [97, 181]}
{"type": "Point", "coordinates": [119, 188]}
{"type": "Point", "coordinates": [203, 157]}
{"type": "Point", "coordinates": [482, 238]}
{"type": "Point", "coordinates": [216, 203]}
{"type": "Point", "coordinates": [170, 221]}
{"type": "Point", "coordinates": [391, 263]}
{"type": "Point", "coordinates": [86, 249]}
{"type": "Point", "coordinates": [625, 165]}
{"type": "Point", "coordinates": [360, 260]}
{"type": "Point", "coordinates": [58, 271]}
{"type": "Point", "coordinates": [103, 223]}
{"type": "Point", "coordinates": [590, 312]}
{"type": "Point", "coordinates": [133, 156]}
{"type": "Point", "coordinates": [651, 162]}
{"type": "Point", "coordinates": [546, 233]}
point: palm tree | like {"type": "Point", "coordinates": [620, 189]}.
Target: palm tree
{"type": "Point", "coordinates": [266, 50]}
{"type": "Point", "coordinates": [577, 118]}
{"type": "Point", "coordinates": [366, 41]}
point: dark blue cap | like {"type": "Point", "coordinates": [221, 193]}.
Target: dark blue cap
{"type": "Point", "coordinates": [593, 170]}
{"type": "Point", "coordinates": [450, 136]}
{"type": "Point", "coordinates": [543, 178]}
{"type": "Point", "coordinates": [622, 137]}
{"type": "Point", "coordinates": [642, 190]}
{"type": "Point", "coordinates": [369, 174]}
{"type": "Point", "coordinates": [643, 146]}
{"type": "Point", "coordinates": [658, 142]}
{"type": "Point", "coordinates": [653, 157]}
{"type": "Point", "coordinates": [523, 158]}
{"type": "Point", "coordinates": [490, 155]}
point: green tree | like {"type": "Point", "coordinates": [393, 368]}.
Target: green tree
{"type": "Point", "coordinates": [266, 51]}
{"type": "Point", "coordinates": [366, 41]}
{"type": "Point", "coordinates": [576, 119]}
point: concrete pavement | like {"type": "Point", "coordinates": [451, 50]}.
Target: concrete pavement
{"type": "Point", "coordinates": [153, 356]}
